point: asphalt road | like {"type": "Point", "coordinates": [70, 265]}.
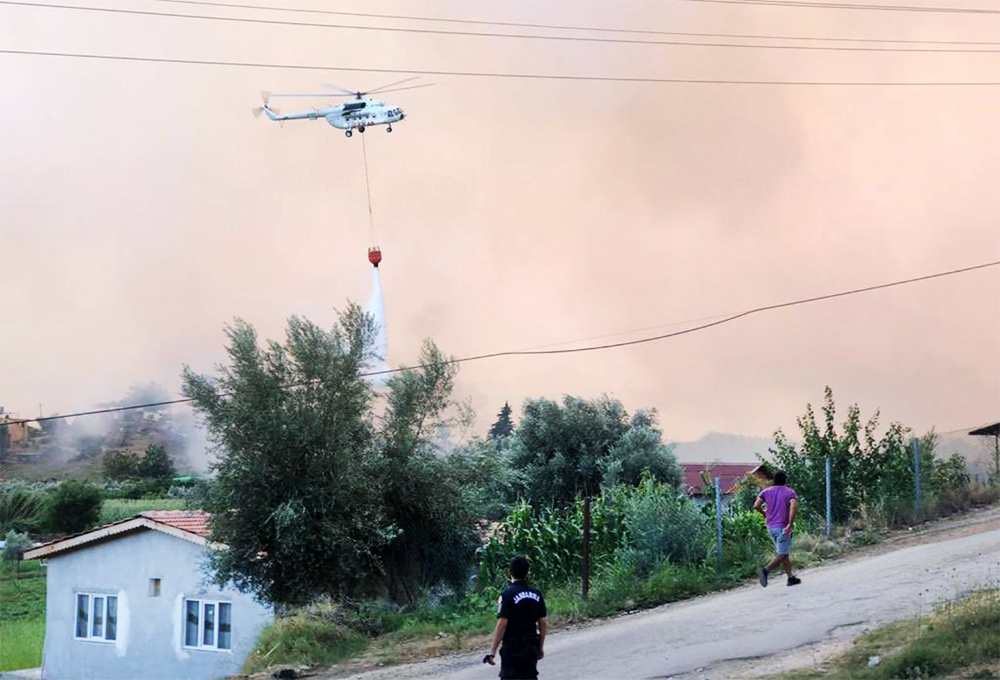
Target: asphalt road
{"type": "Point", "coordinates": [690, 638]}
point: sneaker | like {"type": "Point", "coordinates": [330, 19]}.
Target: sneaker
{"type": "Point", "coordinates": [794, 580]}
{"type": "Point", "coordinates": [762, 576]}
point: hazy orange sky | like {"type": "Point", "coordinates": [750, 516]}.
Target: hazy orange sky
{"type": "Point", "coordinates": [142, 207]}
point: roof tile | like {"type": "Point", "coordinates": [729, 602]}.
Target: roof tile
{"type": "Point", "coordinates": [192, 521]}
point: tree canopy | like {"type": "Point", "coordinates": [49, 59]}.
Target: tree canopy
{"type": "Point", "coordinates": [575, 448]}
{"type": "Point", "coordinates": [504, 426]}
{"type": "Point", "coordinates": [324, 486]}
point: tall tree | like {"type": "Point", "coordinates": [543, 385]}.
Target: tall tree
{"type": "Point", "coordinates": [576, 448]}
{"type": "Point", "coordinates": [156, 464]}
{"type": "Point", "coordinates": [504, 426]}
{"type": "Point", "coordinates": [865, 470]}
{"type": "Point", "coordinates": [321, 488]}
{"type": "Point", "coordinates": [296, 502]}
{"type": "Point", "coordinates": [433, 538]}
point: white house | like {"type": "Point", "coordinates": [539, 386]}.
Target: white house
{"type": "Point", "coordinates": [133, 601]}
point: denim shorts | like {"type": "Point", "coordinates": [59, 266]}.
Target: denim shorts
{"type": "Point", "coordinates": [782, 541]}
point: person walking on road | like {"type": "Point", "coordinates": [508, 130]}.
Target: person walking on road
{"type": "Point", "coordinates": [778, 504]}
{"type": "Point", "coordinates": [521, 626]}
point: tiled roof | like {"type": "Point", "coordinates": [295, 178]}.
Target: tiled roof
{"type": "Point", "coordinates": [190, 525]}
{"type": "Point", "coordinates": [728, 473]}
{"type": "Point", "coordinates": [192, 521]}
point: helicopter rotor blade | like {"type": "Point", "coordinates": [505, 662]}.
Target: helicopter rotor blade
{"type": "Point", "coordinates": [340, 89]}
{"type": "Point", "coordinates": [410, 87]}
{"type": "Point", "coordinates": [385, 87]}
{"type": "Point", "coordinates": [308, 95]}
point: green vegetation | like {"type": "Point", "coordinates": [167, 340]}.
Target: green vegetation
{"type": "Point", "coordinates": [959, 640]}
{"type": "Point", "coordinates": [872, 479]}
{"type": "Point", "coordinates": [73, 507]}
{"type": "Point", "coordinates": [154, 468]}
{"type": "Point", "coordinates": [579, 447]}
{"type": "Point", "coordinates": [22, 614]}
{"type": "Point", "coordinates": [363, 524]}
{"type": "Point", "coordinates": [365, 505]}
{"type": "Point", "coordinates": [22, 508]}
{"type": "Point", "coordinates": [116, 509]}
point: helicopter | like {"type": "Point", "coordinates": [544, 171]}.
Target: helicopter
{"type": "Point", "coordinates": [357, 113]}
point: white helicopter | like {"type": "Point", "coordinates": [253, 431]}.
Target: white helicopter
{"type": "Point", "coordinates": [357, 113]}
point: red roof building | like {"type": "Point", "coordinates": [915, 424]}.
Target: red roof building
{"type": "Point", "coordinates": [729, 475]}
{"type": "Point", "coordinates": [192, 521]}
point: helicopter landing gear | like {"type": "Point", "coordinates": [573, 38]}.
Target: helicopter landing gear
{"type": "Point", "coordinates": [361, 129]}
{"type": "Point", "coordinates": [349, 133]}
{"type": "Point", "coordinates": [388, 128]}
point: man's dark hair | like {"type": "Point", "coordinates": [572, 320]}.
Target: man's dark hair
{"type": "Point", "coordinates": [519, 567]}
{"type": "Point", "coordinates": [779, 478]}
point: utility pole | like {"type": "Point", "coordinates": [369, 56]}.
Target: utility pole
{"type": "Point", "coordinates": [916, 476]}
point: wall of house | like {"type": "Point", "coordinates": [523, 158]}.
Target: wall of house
{"type": "Point", "coordinates": [150, 628]}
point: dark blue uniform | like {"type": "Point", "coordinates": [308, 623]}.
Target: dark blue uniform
{"type": "Point", "coordinates": [522, 606]}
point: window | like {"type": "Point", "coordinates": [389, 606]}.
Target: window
{"type": "Point", "coordinates": [96, 617]}
{"type": "Point", "coordinates": [208, 624]}
{"type": "Point", "coordinates": [154, 587]}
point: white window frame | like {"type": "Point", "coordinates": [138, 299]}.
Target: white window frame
{"type": "Point", "coordinates": [92, 601]}
{"type": "Point", "coordinates": [202, 605]}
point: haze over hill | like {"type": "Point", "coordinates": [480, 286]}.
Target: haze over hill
{"type": "Point", "coordinates": [722, 447]}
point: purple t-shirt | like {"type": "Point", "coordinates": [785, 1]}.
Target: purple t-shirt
{"type": "Point", "coordinates": [778, 500]}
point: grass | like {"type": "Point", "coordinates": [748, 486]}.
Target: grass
{"type": "Point", "coordinates": [22, 614]}
{"type": "Point", "coordinates": [115, 509]}
{"type": "Point", "coordinates": [959, 640]}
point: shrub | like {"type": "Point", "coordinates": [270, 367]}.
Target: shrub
{"type": "Point", "coordinates": [121, 465]}
{"type": "Point", "coordinates": [22, 509]}
{"type": "Point", "coordinates": [661, 524]}
{"type": "Point", "coordinates": [745, 542]}
{"type": "Point", "coordinates": [303, 639]}
{"type": "Point", "coordinates": [15, 546]}
{"type": "Point", "coordinates": [156, 465]}
{"type": "Point", "coordinates": [73, 507]}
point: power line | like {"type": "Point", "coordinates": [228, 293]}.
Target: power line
{"type": "Point", "coordinates": [477, 74]}
{"type": "Point", "coordinates": [670, 324]}
{"type": "Point", "coordinates": [575, 350]}
{"type": "Point", "coordinates": [519, 36]}
{"type": "Point", "coordinates": [561, 27]}
{"type": "Point", "coordinates": [843, 5]}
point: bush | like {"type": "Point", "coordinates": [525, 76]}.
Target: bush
{"type": "Point", "coordinates": [156, 465]}
{"type": "Point", "coordinates": [745, 542]}
{"type": "Point", "coordinates": [661, 524]}
{"type": "Point", "coordinates": [121, 465]}
{"type": "Point", "coordinates": [22, 509]}
{"type": "Point", "coordinates": [303, 639]}
{"type": "Point", "coordinates": [73, 507]}
{"type": "Point", "coordinates": [15, 546]}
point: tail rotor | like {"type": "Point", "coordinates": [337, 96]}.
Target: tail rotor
{"type": "Point", "coordinates": [265, 97]}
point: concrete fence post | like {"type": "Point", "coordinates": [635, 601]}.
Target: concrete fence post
{"type": "Point", "coordinates": [718, 517]}
{"type": "Point", "coordinates": [829, 511]}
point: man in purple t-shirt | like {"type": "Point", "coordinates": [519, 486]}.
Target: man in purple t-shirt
{"type": "Point", "coordinates": [778, 505]}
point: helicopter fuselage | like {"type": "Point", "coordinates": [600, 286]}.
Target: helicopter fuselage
{"type": "Point", "coordinates": [356, 114]}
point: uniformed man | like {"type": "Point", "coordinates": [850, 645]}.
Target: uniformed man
{"type": "Point", "coordinates": [521, 624]}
